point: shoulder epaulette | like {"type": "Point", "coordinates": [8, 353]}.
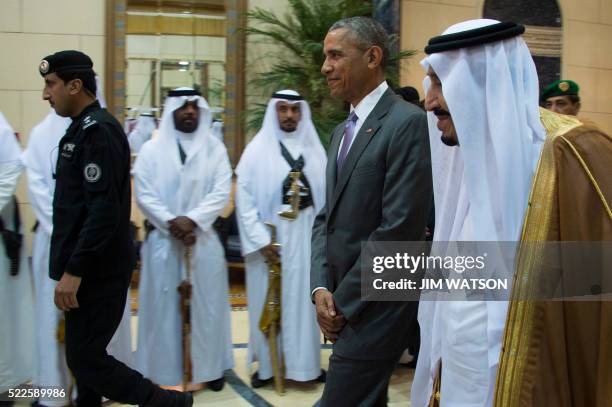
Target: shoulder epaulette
{"type": "Point", "coordinates": [88, 121]}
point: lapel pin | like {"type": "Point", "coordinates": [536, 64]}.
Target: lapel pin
{"type": "Point", "coordinates": [369, 130]}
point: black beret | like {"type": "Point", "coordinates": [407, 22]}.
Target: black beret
{"type": "Point", "coordinates": [65, 61]}
{"type": "Point", "coordinates": [477, 36]}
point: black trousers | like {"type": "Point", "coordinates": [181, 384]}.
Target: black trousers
{"type": "Point", "coordinates": [89, 329]}
{"type": "Point", "coordinates": [352, 382]}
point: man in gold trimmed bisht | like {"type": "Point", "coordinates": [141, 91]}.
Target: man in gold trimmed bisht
{"type": "Point", "coordinates": [559, 353]}
{"type": "Point", "coordinates": [485, 138]}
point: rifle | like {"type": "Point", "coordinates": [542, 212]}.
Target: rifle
{"type": "Point", "coordinates": [270, 321]}
{"type": "Point", "coordinates": [185, 305]}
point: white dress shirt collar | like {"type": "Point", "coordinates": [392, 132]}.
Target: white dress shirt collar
{"type": "Point", "coordinates": [366, 105]}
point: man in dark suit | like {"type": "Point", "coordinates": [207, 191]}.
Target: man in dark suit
{"type": "Point", "coordinates": [378, 189]}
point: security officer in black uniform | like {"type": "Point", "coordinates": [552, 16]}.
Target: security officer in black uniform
{"type": "Point", "coordinates": [92, 255]}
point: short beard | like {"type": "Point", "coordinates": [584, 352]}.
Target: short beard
{"type": "Point", "coordinates": [449, 141]}
{"type": "Point", "coordinates": [288, 129]}
{"type": "Point", "coordinates": [180, 126]}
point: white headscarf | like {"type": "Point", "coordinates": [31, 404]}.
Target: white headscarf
{"type": "Point", "coordinates": [169, 135]}
{"type": "Point", "coordinates": [10, 163]}
{"type": "Point", "coordinates": [100, 92]}
{"type": "Point", "coordinates": [166, 143]}
{"type": "Point", "coordinates": [262, 167]}
{"type": "Point", "coordinates": [9, 150]}
{"type": "Point", "coordinates": [216, 129]}
{"type": "Point", "coordinates": [43, 142]}
{"type": "Point", "coordinates": [145, 125]}
{"type": "Point", "coordinates": [492, 94]}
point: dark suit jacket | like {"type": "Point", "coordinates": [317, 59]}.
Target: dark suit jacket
{"type": "Point", "coordinates": [383, 193]}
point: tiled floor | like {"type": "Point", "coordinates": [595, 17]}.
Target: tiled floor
{"type": "Point", "coordinates": [238, 392]}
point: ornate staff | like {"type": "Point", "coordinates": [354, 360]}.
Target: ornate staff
{"type": "Point", "coordinates": [185, 292]}
{"type": "Point", "coordinates": [270, 321]}
{"type": "Point", "coordinates": [294, 198]}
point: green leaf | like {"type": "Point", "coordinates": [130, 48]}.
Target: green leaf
{"type": "Point", "coordinates": [298, 57]}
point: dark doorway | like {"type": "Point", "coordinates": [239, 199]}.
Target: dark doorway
{"type": "Point", "coordinates": [542, 19]}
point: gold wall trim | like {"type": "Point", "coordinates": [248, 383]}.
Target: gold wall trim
{"type": "Point", "coordinates": [178, 6]}
{"type": "Point", "coordinates": [233, 29]}
{"type": "Point", "coordinates": [543, 41]}
{"type": "Point", "coordinates": [114, 86]}
{"type": "Point", "coordinates": [235, 57]}
{"type": "Point", "coordinates": [155, 25]}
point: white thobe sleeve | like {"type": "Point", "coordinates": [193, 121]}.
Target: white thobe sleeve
{"type": "Point", "coordinates": [253, 232]}
{"type": "Point", "coordinates": [10, 164]}
{"type": "Point", "coordinates": [136, 139]}
{"type": "Point", "coordinates": [209, 208]}
{"type": "Point", "coordinates": [9, 175]}
{"type": "Point", "coordinates": [147, 197]}
{"type": "Point", "coordinates": [41, 193]}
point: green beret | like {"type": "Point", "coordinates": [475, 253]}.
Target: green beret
{"type": "Point", "coordinates": [65, 61]}
{"type": "Point", "coordinates": [562, 87]}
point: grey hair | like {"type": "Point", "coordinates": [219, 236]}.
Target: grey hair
{"type": "Point", "coordinates": [366, 32]}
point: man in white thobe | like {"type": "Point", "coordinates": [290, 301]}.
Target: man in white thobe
{"type": "Point", "coordinates": [16, 305]}
{"type": "Point", "coordinates": [287, 142]}
{"type": "Point", "coordinates": [182, 181]}
{"type": "Point", "coordinates": [485, 136]}
{"type": "Point", "coordinates": [145, 126]}
{"type": "Point", "coordinates": [39, 159]}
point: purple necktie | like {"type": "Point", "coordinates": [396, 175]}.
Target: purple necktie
{"type": "Point", "coordinates": [349, 129]}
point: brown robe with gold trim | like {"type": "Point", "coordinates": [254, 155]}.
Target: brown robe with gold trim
{"type": "Point", "coordinates": [559, 353]}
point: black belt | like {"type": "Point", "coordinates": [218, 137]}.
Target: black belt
{"type": "Point", "coordinates": [296, 165]}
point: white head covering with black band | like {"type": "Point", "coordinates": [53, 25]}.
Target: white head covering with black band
{"type": "Point", "coordinates": [169, 135]}
{"type": "Point", "coordinates": [490, 84]}
{"type": "Point", "coordinates": [481, 187]}
{"type": "Point", "coordinates": [263, 154]}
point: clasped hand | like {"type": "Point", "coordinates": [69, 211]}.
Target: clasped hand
{"type": "Point", "coordinates": [66, 289]}
{"type": "Point", "coordinates": [182, 228]}
{"type": "Point", "coordinates": [330, 320]}
{"type": "Point", "coordinates": [271, 253]}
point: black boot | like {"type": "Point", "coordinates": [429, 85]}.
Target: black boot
{"type": "Point", "coordinates": [256, 382]}
{"type": "Point", "coordinates": [216, 385]}
{"type": "Point", "coordinates": [169, 398]}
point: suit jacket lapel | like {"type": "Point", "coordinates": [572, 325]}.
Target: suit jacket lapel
{"type": "Point", "coordinates": [366, 132]}
{"type": "Point", "coordinates": [331, 161]}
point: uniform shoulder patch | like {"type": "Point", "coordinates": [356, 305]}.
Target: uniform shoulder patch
{"type": "Point", "coordinates": [68, 150]}
{"type": "Point", "coordinates": [89, 121]}
{"type": "Point", "coordinates": [92, 172]}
